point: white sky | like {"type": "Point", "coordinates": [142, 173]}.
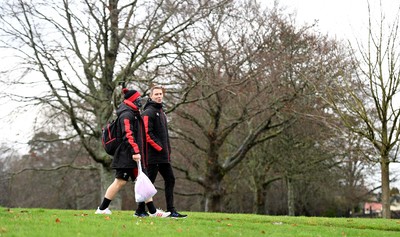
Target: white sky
{"type": "Point", "coordinates": [340, 19]}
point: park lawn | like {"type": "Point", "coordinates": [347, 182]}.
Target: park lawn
{"type": "Point", "coordinates": [59, 223]}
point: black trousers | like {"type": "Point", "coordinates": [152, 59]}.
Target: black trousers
{"type": "Point", "coordinates": [165, 170]}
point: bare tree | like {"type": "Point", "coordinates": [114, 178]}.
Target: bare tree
{"type": "Point", "coordinates": [7, 156]}
{"type": "Point", "coordinates": [78, 52]}
{"type": "Point", "coordinates": [238, 102]}
{"type": "Point", "coordinates": [241, 78]}
{"type": "Point", "coordinates": [371, 96]}
{"type": "Point", "coordinates": [261, 160]}
{"type": "Point", "coordinates": [353, 171]}
{"type": "Point", "coordinates": [60, 166]}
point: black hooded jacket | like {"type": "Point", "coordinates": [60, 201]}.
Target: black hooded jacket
{"type": "Point", "coordinates": [155, 120]}
{"type": "Point", "coordinates": [133, 136]}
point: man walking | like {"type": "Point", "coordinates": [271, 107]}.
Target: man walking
{"type": "Point", "coordinates": [159, 148]}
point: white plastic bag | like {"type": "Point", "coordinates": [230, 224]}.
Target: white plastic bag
{"type": "Point", "coordinates": [144, 188]}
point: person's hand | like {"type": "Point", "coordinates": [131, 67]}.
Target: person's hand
{"type": "Point", "coordinates": [136, 157]}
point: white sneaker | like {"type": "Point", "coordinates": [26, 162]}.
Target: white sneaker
{"type": "Point", "coordinates": [104, 212]}
{"type": "Point", "coordinates": [160, 213]}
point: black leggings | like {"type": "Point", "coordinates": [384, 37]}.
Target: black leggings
{"type": "Point", "coordinates": [165, 169]}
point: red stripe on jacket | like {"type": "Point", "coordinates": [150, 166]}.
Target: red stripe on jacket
{"type": "Point", "coordinates": [129, 136]}
{"type": "Point", "coordinates": [148, 138]}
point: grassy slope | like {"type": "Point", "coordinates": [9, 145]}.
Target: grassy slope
{"type": "Point", "coordinates": [59, 223]}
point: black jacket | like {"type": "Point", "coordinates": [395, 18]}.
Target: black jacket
{"type": "Point", "coordinates": [155, 120]}
{"type": "Point", "coordinates": [133, 136]}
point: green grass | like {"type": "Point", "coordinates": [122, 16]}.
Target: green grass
{"type": "Point", "coordinates": [59, 223]}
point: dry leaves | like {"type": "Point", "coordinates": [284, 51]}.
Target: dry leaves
{"type": "Point", "coordinates": [3, 230]}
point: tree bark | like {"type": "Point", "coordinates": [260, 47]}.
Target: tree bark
{"type": "Point", "coordinates": [260, 202]}
{"type": "Point", "coordinates": [290, 193]}
{"type": "Point", "coordinates": [385, 187]}
{"type": "Point", "coordinates": [214, 191]}
{"type": "Point", "coordinates": [213, 202]}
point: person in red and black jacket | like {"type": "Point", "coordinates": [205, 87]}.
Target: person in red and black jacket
{"type": "Point", "coordinates": [131, 150]}
{"type": "Point", "coordinates": [159, 148]}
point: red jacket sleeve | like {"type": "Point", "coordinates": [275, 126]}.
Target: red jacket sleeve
{"type": "Point", "coordinates": [129, 136]}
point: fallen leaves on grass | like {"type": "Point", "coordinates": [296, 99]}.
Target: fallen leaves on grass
{"type": "Point", "coordinates": [219, 221]}
{"type": "Point", "coordinates": [82, 214]}
{"type": "Point", "coordinates": [107, 218]}
{"type": "Point", "coordinates": [225, 219]}
{"type": "Point", "coordinates": [58, 220]}
{"type": "Point", "coordinates": [3, 230]}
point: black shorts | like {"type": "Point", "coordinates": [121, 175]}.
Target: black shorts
{"type": "Point", "coordinates": [127, 173]}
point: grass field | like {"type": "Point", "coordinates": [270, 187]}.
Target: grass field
{"type": "Point", "coordinates": [59, 223]}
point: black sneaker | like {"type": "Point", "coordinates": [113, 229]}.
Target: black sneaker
{"type": "Point", "coordinates": [176, 214]}
{"type": "Point", "coordinates": [141, 214]}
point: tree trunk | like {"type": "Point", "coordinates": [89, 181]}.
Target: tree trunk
{"type": "Point", "coordinates": [290, 197]}
{"type": "Point", "coordinates": [385, 187]}
{"type": "Point", "coordinates": [213, 203]}
{"type": "Point", "coordinates": [213, 195]}
{"type": "Point", "coordinates": [261, 200]}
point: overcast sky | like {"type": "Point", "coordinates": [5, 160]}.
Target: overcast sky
{"type": "Point", "coordinates": [343, 19]}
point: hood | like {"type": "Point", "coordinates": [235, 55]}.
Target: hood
{"type": "Point", "coordinates": [124, 107]}
{"type": "Point", "coordinates": [151, 103]}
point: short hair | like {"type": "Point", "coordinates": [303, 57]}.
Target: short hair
{"type": "Point", "coordinates": [157, 87]}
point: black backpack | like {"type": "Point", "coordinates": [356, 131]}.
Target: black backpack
{"type": "Point", "coordinates": [111, 137]}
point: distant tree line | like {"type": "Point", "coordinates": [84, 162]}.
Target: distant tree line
{"type": "Point", "coordinates": [61, 175]}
